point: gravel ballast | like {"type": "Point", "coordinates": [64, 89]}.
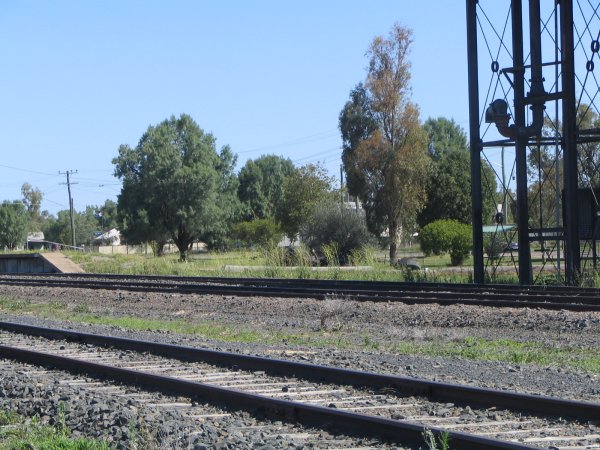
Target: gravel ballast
{"type": "Point", "coordinates": [354, 321]}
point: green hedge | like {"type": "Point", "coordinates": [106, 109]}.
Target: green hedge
{"type": "Point", "coordinates": [447, 236]}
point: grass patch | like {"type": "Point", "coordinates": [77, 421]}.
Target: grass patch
{"type": "Point", "coordinates": [265, 264]}
{"type": "Point", "coordinates": [502, 350]}
{"type": "Point", "coordinates": [506, 350]}
{"type": "Point", "coordinates": [219, 332]}
{"type": "Point", "coordinates": [209, 330]}
{"type": "Point", "coordinates": [18, 434]}
{"type": "Point", "coordinates": [9, 418]}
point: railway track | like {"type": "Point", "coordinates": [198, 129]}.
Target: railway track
{"type": "Point", "coordinates": [547, 297]}
{"type": "Point", "coordinates": [397, 409]}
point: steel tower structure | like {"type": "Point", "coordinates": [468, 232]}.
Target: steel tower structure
{"type": "Point", "coordinates": [533, 94]}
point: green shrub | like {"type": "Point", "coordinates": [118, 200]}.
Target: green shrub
{"type": "Point", "coordinates": [434, 238]}
{"type": "Point", "coordinates": [461, 244]}
{"type": "Point", "coordinates": [335, 233]}
{"type": "Point", "coordinates": [260, 232]}
{"type": "Point", "coordinates": [447, 236]}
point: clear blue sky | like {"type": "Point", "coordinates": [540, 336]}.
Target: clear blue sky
{"type": "Point", "coordinates": [81, 77]}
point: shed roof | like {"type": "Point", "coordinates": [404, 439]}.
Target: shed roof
{"type": "Point", "coordinates": [499, 228]}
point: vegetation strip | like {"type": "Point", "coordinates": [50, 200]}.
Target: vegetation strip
{"type": "Point", "coordinates": [19, 433]}
{"type": "Point", "coordinates": [505, 350]}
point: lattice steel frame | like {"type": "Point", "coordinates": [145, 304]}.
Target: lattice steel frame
{"type": "Point", "coordinates": [571, 97]}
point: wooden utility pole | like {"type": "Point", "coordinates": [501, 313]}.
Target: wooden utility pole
{"type": "Point", "coordinates": [68, 174]}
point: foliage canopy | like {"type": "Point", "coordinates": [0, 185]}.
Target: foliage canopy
{"type": "Point", "coordinates": [14, 224]}
{"type": "Point", "coordinates": [449, 184]}
{"type": "Point", "coordinates": [261, 185]}
{"type": "Point", "coordinates": [303, 190]}
{"type": "Point", "coordinates": [176, 186]}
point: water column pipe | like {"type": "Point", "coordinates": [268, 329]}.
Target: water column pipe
{"type": "Point", "coordinates": [497, 113]}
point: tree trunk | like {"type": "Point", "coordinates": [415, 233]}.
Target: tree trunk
{"type": "Point", "coordinates": [182, 246]}
{"type": "Point", "coordinates": [160, 248]}
{"type": "Point", "coordinates": [182, 241]}
{"type": "Point", "coordinates": [393, 230]}
{"type": "Point", "coordinates": [183, 254]}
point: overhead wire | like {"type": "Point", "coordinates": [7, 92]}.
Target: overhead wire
{"type": "Point", "coordinates": [298, 141]}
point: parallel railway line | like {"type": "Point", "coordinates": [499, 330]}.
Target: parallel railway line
{"type": "Point", "coordinates": [395, 408]}
{"type": "Point", "coordinates": [547, 297]}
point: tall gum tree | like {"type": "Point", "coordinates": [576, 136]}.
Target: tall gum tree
{"type": "Point", "coordinates": [176, 186]}
{"type": "Point", "coordinates": [384, 146]}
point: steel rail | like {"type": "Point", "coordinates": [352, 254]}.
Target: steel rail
{"type": "Point", "coordinates": [349, 422]}
{"type": "Point", "coordinates": [485, 297]}
{"type": "Point", "coordinates": [354, 284]}
{"type": "Point", "coordinates": [460, 394]}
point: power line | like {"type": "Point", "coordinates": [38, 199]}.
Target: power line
{"type": "Point", "coordinates": [297, 141]}
{"type": "Point", "coordinates": [28, 170]}
{"type": "Point", "coordinates": [322, 153]}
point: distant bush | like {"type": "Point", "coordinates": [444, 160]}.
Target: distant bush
{"type": "Point", "coordinates": [461, 244]}
{"type": "Point", "coordinates": [260, 232]}
{"type": "Point", "coordinates": [447, 236]}
{"type": "Point", "coordinates": [434, 239]}
{"type": "Point", "coordinates": [336, 233]}
{"type": "Point", "coordinates": [493, 245]}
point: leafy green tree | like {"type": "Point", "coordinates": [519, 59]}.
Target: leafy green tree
{"type": "Point", "coordinates": [449, 184]}
{"type": "Point", "coordinates": [542, 170]}
{"type": "Point", "coordinates": [490, 195]}
{"type": "Point", "coordinates": [303, 190]}
{"type": "Point", "coordinates": [32, 199]}
{"type": "Point", "coordinates": [449, 189]}
{"type": "Point", "coordinates": [107, 215]}
{"type": "Point", "coordinates": [261, 185]}
{"type": "Point", "coordinates": [385, 148]}
{"type": "Point", "coordinates": [14, 224]}
{"type": "Point", "coordinates": [59, 229]}
{"type": "Point", "coordinates": [53, 227]}
{"type": "Point", "coordinates": [444, 135]}
{"type": "Point", "coordinates": [357, 123]}
{"type": "Point", "coordinates": [461, 243]}
{"type": "Point", "coordinates": [135, 223]}
{"type": "Point", "coordinates": [86, 224]}
{"type": "Point", "coordinates": [176, 185]}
